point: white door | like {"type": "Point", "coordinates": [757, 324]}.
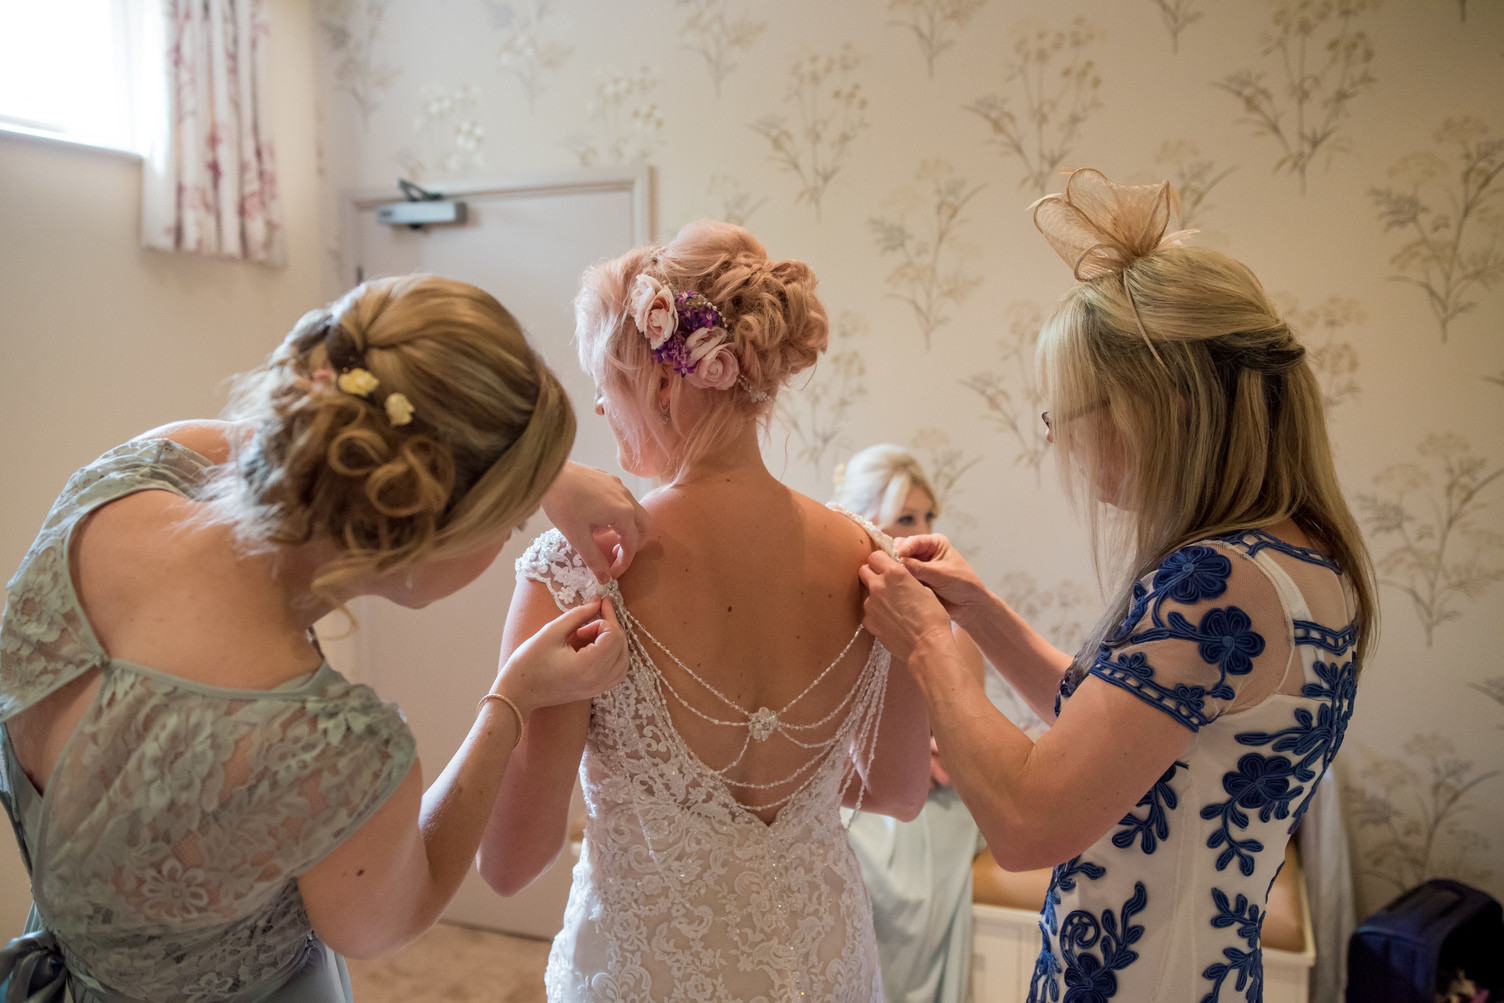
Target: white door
{"type": "Point", "coordinates": [525, 241]}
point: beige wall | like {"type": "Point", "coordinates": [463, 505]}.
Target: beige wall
{"type": "Point", "coordinates": [100, 340]}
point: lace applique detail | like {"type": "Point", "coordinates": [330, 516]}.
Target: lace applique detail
{"type": "Point", "coordinates": [682, 893]}
{"type": "Point", "coordinates": [160, 779]}
{"type": "Point", "coordinates": [551, 560]}
{"type": "Point", "coordinates": [44, 639]}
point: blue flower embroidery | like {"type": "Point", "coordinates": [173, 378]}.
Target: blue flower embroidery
{"type": "Point", "coordinates": [1247, 965]}
{"type": "Point", "coordinates": [1090, 982]}
{"type": "Point", "coordinates": [1047, 966]}
{"type": "Point", "coordinates": [1192, 574]}
{"type": "Point", "coordinates": [1155, 825]}
{"type": "Point", "coordinates": [1092, 978]}
{"type": "Point", "coordinates": [1227, 639]}
{"type": "Point", "coordinates": [1259, 783]}
{"type": "Point", "coordinates": [1314, 738]}
{"type": "Point", "coordinates": [1224, 637]}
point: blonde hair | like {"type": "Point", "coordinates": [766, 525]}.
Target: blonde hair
{"type": "Point", "coordinates": [875, 482]}
{"type": "Point", "coordinates": [1216, 416]}
{"type": "Point", "coordinates": [490, 430]}
{"type": "Point", "coordinates": [778, 328]}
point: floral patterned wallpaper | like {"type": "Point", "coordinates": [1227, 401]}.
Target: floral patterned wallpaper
{"type": "Point", "coordinates": [1350, 151]}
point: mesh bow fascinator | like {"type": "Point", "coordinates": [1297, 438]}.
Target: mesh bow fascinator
{"type": "Point", "coordinates": [1099, 227]}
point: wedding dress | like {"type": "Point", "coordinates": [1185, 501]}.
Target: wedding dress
{"type": "Point", "coordinates": [682, 892]}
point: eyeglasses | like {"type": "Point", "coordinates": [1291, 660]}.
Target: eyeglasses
{"type": "Point", "coordinates": [1049, 427]}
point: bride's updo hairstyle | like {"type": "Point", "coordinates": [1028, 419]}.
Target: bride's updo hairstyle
{"type": "Point", "coordinates": [1172, 378]}
{"type": "Point", "coordinates": [774, 328]}
{"type": "Point", "coordinates": [407, 421]}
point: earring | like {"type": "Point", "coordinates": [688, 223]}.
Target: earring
{"type": "Point", "coordinates": [666, 416]}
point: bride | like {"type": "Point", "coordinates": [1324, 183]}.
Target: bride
{"type": "Point", "coordinates": [715, 863]}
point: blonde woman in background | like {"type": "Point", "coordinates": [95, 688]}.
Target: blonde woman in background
{"type": "Point", "coordinates": [918, 873]}
{"type": "Point", "coordinates": [715, 865]}
{"type": "Point", "coordinates": [208, 810]}
{"type": "Point", "coordinates": [1190, 733]}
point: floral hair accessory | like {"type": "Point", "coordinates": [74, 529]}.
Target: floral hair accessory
{"type": "Point", "coordinates": [399, 410]}
{"type": "Point", "coordinates": [354, 378]}
{"type": "Point", "coordinates": [688, 332]}
{"type": "Point", "coordinates": [359, 382]}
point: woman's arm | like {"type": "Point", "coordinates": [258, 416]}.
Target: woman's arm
{"type": "Point", "coordinates": [530, 816]}
{"type": "Point", "coordinates": [1031, 664]}
{"type": "Point", "coordinates": [1037, 804]}
{"type": "Point", "coordinates": [389, 881]}
{"type": "Point", "coordinates": [976, 667]}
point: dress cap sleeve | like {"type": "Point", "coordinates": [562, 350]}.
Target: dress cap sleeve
{"type": "Point", "coordinates": [553, 562]}
{"type": "Point", "coordinates": [1205, 633]}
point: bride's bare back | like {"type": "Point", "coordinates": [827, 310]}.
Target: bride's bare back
{"type": "Point", "coordinates": [753, 588]}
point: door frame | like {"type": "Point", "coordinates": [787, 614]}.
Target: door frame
{"type": "Point", "coordinates": [635, 179]}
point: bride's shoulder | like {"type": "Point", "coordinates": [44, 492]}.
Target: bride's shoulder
{"type": "Point", "coordinates": [844, 529]}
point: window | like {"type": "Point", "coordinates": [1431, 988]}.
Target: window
{"type": "Point", "coordinates": [68, 69]}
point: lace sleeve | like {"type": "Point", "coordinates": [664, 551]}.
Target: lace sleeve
{"type": "Point", "coordinates": [551, 560]}
{"type": "Point", "coordinates": [1206, 634]}
{"type": "Point", "coordinates": [359, 751]}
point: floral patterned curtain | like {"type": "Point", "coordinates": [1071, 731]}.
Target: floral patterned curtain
{"type": "Point", "coordinates": [209, 180]}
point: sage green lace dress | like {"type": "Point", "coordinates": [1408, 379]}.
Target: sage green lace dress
{"type": "Point", "coordinates": [165, 854]}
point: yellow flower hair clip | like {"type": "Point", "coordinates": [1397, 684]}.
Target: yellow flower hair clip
{"type": "Point", "coordinates": [399, 410]}
{"type": "Point", "coordinates": [359, 382]}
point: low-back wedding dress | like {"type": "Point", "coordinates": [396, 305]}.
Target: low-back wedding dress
{"type": "Point", "coordinates": [682, 892]}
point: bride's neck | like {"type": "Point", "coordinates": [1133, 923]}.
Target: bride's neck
{"type": "Point", "coordinates": [737, 459]}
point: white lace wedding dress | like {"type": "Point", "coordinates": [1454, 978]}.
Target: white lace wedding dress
{"type": "Point", "coordinates": [683, 894]}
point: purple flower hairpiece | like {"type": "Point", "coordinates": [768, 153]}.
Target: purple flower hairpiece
{"type": "Point", "coordinates": [688, 332]}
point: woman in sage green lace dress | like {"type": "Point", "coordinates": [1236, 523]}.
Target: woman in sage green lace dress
{"type": "Point", "coordinates": [208, 810]}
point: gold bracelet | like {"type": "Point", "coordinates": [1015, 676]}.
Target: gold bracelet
{"type": "Point", "coordinates": [516, 712]}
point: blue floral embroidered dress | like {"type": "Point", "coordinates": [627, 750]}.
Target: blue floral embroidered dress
{"type": "Point", "coordinates": [165, 853]}
{"type": "Point", "coordinates": [1247, 641]}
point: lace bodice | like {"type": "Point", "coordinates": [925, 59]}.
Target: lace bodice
{"type": "Point", "coordinates": [681, 892]}
{"type": "Point", "coordinates": [165, 854]}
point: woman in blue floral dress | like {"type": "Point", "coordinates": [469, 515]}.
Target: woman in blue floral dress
{"type": "Point", "coordinates": [1191, 731]}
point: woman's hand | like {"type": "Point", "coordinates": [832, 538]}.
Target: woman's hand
{"type": "Point", "coordinates": [599, 517]}
{"type": "Point", "coordinates": [574, 657]}
{"type": "Point", "coordinates": [900, 611]}
{"type": "Point", "coordinates": [932, 560]}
